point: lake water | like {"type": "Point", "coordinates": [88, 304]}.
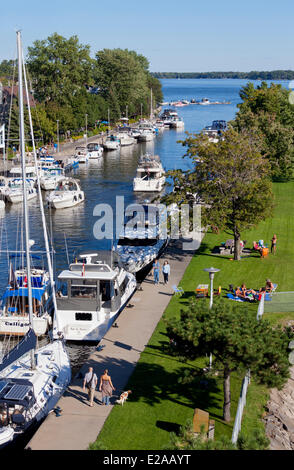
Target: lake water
{"type": "Point", "coordinates": [103, 181]}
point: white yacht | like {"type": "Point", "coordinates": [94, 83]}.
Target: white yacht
{"type": "Point", "coordinates": [94, 150]}
{"type": "Point", "coordinates": [150, 174]}
{"type": "Point", "coordinates": [68, 193]}
{"type": "Point", "coordinates": [146, 135]}
{"type": "Point", "coordinates": [93, 292]}
{"type": "Point", "coordinates": [51, 177]}
{"type": "Point", "coordinates": [81, 153]}
{"type": "Point", "coordinates": [16, 172]}
{"type": "Point", "coordinates": [14, 192]}
{"type": "Point", "coordinates": [138, 248]}
{"type": "Point", "coordinates": [111, 143]}
{"type": "Point", "coordinates": [177, 123]}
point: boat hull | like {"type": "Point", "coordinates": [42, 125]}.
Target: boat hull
{"type": "Point", "coordinates": [155, 185]}
{"type": "Point", "coordinates": [69, 201]}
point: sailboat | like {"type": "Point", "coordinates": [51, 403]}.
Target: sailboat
{"type": "Point", "coordinates": [31, 380]}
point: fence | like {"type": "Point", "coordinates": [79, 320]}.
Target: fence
{"type": "Point", "coordinates": [241, 404]}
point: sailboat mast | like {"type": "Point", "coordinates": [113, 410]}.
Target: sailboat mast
{"type": "Point", "coordinates": [45, 231]}
{"type": "Point", "coordinates": [23, 164]}
{"type": "Point", "coordinates": [151, 106]}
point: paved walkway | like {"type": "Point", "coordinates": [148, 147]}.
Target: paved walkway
{"type": "Point", "coordinates": [79, 424]}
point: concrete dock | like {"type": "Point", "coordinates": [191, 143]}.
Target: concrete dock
{"type": "Point", "coordinates": [80, 424]}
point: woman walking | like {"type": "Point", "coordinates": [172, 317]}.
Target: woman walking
{"type": "Point", "coordinates": [165, 271]}
{"type": "Point", "coordinates": [106, 387]}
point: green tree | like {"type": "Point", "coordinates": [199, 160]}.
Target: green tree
{"type": "Point", "coordinates": [59, 67]}
{"type": "Point", "coordinates": [231, 180]}
{"type": "Point", "coordinates": [267, 111]}
{"type": "Point", "coordinates": [237, 341]}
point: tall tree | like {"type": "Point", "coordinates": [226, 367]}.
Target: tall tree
{"type": "Point", "coordinates": [237, 341]}
{"type": "Point", "coordinates": [59, 67]}
{"type": "Point", "coordinates": [230, 178]}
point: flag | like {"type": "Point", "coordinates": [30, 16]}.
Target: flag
{"type": "Point", "coordinates": [12, 279]}
{"type": "Point", "coordinates": [2, 137]}
{"type": "Point", "coordinates": [83, 270]}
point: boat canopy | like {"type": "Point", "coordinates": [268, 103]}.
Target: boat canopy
{"type": "Point", "coordinates": [23, 292]}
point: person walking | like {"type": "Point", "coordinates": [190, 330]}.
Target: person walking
{"type": "Point", "coordinates": [106, 387]}
{"type": "Point", "coordinates": [90, 381]}
{"type": "Point", "coordinates": [165, 271]}
{"type": "Point", "coordinates": [156, 267]}
{"type": "Point", "coordinates": [274, 244]}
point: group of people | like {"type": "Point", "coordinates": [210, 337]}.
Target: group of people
{"type": "Point", "coordinates": [165, 271]}
{"type": "Point", "coordinates": [105, 386]}
{"type": "Point", "coordinates": [260, 246]}
{"type": "Point", "coordinates": [251, 294]}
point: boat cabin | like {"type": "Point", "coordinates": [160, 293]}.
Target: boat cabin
{"type": "Point", "coordinates": [16, 399]}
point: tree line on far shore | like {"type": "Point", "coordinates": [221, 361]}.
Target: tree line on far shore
{"type": "Point", "coordinates": [253, 75]}
{"type": "Point", "coordinates": [67, 84]}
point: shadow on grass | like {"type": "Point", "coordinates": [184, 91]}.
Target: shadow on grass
{"type": "Point", "coordinates": [168, 426]}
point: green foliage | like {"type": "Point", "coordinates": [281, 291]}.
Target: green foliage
{"type": "Point", "coordinates": [253, 75]}
{"type": "Point", "coordinates": [230, 177]}
{"type": "Point", "coordinates": [266, 111]}
{"type": "Point", "coordinates": [256, 440]}
{"type": "Point", "coordinates": [59, 67]}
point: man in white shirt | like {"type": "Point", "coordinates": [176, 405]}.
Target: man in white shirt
{"type": "Point", "coordinates": [90, 381]}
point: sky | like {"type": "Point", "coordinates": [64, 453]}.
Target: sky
{"type": "Point", "coordinates": [174, 35]}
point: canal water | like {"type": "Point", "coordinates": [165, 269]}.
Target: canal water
{"type": "Point", "coordinates": [103, 181]}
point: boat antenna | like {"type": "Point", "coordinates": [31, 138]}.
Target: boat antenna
{"type": "Point", "coordinates": [25, 203]}
{"type": "Point", "coordinates": [45, 232]}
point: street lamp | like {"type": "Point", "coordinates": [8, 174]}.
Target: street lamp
{"type": "Point", "coordinates": [86, 128]}
{"type": "Point", "coordinates": [211, 272]}
{"type": "Point", "coordinates": [57, 135]}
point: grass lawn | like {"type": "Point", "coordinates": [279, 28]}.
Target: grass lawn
{"type": "Point", "coordinates": [160, 403]}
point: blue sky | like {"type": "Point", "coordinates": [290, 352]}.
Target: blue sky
{"type": "Point", "coordinates": [175, 35]}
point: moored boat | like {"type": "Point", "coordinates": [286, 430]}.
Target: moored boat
{"type": "Point", "coordinates": [68, 193]}
{"type": "Point", "coordinates": [150, 174]}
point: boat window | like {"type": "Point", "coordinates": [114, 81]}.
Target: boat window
{"type": "Point", "coordinates": [86, 292]}
{"type": "Point", "coordinates": [105, 289]}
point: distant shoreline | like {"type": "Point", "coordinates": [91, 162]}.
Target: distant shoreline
{"type": "Point", "coordinates": [254, 75]}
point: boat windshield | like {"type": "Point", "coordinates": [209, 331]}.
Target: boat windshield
{"type": "Point", "coordinates": [66, 186]}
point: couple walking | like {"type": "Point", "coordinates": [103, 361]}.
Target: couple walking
{"type": "Point", "coordinates": [165, 271]}
{"type": "Point", "coordinates": [105, 386]}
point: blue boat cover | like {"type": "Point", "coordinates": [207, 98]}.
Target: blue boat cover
{"type": "Point", "coordinates": [28, 343]}
{"type": "Point", "coordinates": [23, 292]}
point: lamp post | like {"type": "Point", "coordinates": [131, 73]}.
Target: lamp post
{"type": "Point", "coordinates": [86, 128]}
{"type": "Point", "coordinates": [211, 272]}
{"type": "Point", "coordinates": [57, 135]}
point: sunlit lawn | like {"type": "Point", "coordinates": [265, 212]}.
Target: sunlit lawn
{"type": "Point", "coordinates": [159, 403]}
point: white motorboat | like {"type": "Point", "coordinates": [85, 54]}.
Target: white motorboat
{"type": "Point", "coordinates": [68, 193]}
{"type": "Point", "coordinates": [125, 139]}
{"type": "Point", "coordinates": [93, 291]}
{"type": "Point", "coordinates": [138, 248]}
{"type": "Point", "coordinates": [16, 172]}
{"type": "Point", "coordinates": [111, 143]}
{"type": "Point", "coordinates": [14, 193]}
{"type": "Point", "coordinates": [31, 380]}
{"type": "Point", "coordinates": [150, 174]}
{"type": "Point", "coordinates": [146, 135]}
{"type": "Point", "coordinates": [81, 153]}
{"type": "Point", "coordinates": [51, 178]}
{"type": "Point", "coordinates": [177, 123]}
{"type": "Point", "coordinates": [94, 151]}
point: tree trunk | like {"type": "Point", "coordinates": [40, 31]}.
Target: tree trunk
{"type": "Point", "coordinates": [227, 396]}
{"type": "Point", "coordinates": [237, 247]}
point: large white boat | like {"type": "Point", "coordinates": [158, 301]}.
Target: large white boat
{"type": "Point", "coordinates": [150, 174]}
{"type": "Point", "coordinates": [14, 192]}
{"type": "Point", "coordinates": [93, 291]}
{"type": "Point", "coordinates": [31, 380]}
{"type": "Point", "coordinates": [51, 177]}
{"type": "Point", "coordinates": [177, 123]}
{"type": "Point", "coordinates": [146, 135]}
{"type": "Point", "coordinates": [125, 139]}
{"type": "Point", "coordinates": [68, 193]}
{"type": "Point", "coordinates": [139, 247]}
{"type": "Point", "coordinates": [94, 150]}
{"type": "Point", "coordinates": [111, 143]}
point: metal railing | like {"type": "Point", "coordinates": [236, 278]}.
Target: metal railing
{"type": "Point", "coordinates": [241, 404]}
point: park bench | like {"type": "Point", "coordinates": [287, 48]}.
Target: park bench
{"type": "Point", "coordinates": [202, 423]}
